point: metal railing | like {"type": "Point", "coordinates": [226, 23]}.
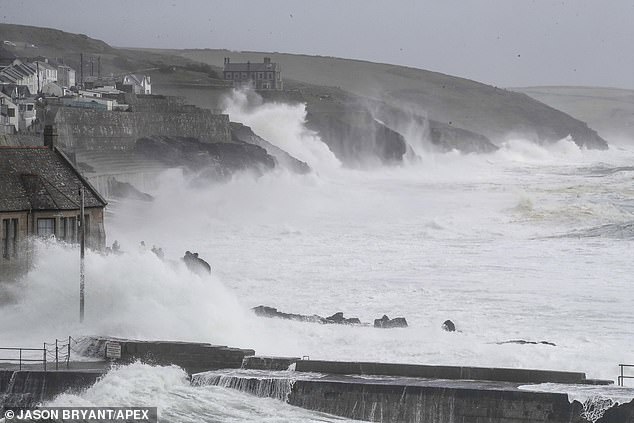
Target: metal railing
{"type": "Point", "coordinates": [20, 357]}
{"type": "Point", "coordinates": [623, 376]}
{"type": "Point", "coordinates": [58, 351]}
{"type": "Point", "coordinates": [52, 352]}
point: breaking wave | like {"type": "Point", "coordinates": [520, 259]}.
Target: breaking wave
{"type": "Point", "coordinates": [283, 125]}
{"type": "Point", "coordinates": [168, 389]}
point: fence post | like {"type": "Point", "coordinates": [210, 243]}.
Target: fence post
{"type": "Point", "coordinates": [44, 354]}
{"type": "Point", "coordinates": [621, 378]}
{"type": "Point", "coordinates": [20, 358]}
{"type": "Point", "coordinates": [68, 357]}
{"type": "Point", "coordinates": [56, 355]}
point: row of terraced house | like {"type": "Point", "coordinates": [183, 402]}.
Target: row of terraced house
{"type": "Point", "coordinates": [22, 83]}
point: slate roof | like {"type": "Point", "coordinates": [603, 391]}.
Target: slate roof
{"type": "Point", "coordinates": [38, 178]}
{"type": "Point", "coordinates": [250, 67]}
{"type": "Point", "coordinates": [13, 90]}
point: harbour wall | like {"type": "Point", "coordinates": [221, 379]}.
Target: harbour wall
{"type": "Point", "coordinates": [27, 388]}
{"type": "Point", "coordinates": [101, 130]}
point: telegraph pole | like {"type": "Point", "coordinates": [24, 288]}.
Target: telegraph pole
{"type": "Point", "coordinates": [82, 246]}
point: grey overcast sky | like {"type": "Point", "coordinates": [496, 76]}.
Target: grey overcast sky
{"type": "Point", "coordinates": [500, 42]}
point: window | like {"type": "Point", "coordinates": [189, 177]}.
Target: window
{"type": "Point", "coordinates": [5, 238]}
{"type": "Point", "coordinates": [269, 75]}
{"type": "Point", "coordinates": [228, 75]}
{"type": "Point", "coordinates": [260, 75]}
{"type": "Point", "coordinates": [69, 229]}
{"type": "Point", "coordinates": [11, 112]}
{"type": "Point", "coordinates": [9, 238]}
{"type": "Point", "coordinates": [29, 107]}
{"type": "Point", "coordinates": [45, 227]}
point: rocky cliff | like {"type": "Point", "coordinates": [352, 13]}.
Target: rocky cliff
{"type": "Point", "coordinates": [214, 161]}
{"type": "Point", "coordinates": [483, 109]}
{"type": "Point", "coordinates": [243, 134]}
{"type": "Point", "coordinates": [345, 124]}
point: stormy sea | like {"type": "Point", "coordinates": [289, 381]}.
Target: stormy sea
{"type": "Point", "coordinates": [531, 243]}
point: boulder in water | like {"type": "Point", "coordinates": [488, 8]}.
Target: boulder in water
{"type": "Point", "coordinates": [196, 264]}
{"type": "Point", "coordinates": [449, 326]}
{"type": "Point", "coordinates": [385, 322]}
{"type": "Point", "coordinates": [339, 319]}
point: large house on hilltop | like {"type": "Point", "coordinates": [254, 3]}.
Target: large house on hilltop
{"type": "Point", "coordinates": [40, 197]}
{"type": "Point", "coordinates": [262, 76]}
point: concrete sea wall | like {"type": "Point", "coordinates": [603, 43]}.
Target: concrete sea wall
{"type": "Point", "coordinates": [192, 357]}
{"type": "Point", "coordinates": [384, 392]}
{"type": "Point", "coordinates": [440, 372]}
{"type": "Point", "coordinates": [96, 130]}
{"type": "Point", "coordinates": [27, 388]}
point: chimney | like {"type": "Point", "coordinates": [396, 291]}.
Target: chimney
{"type": "Point", "coordinates": [50, 136]}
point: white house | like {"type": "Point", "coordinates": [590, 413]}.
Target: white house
{"type": "Point", "coordinates": [9, 115]}
{"type": "Point", "coordinates": [28, 113]}
{"type": "Point", "coordinates": [141, 84]}
{"type": "Point", "coordinates": [66, 76]}
{"type": "Point", "coordinates": [46, 73]}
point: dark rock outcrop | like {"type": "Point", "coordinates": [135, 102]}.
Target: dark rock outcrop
{"type": "Point", "coordinates": [214, 160]}
{"type": "Point", "coordinates": [265, 311]}
{"type": "Point", "coordinates": [385, 322]}
{"type": "Point", "coordinates": [345, 124]}
{"type": "Point", "coordinates": [449, 326]}
{"type": "Point", "coordinates": [524, 342]}
{"type": "Point", "coordinates": [441, 136]}
{"type": "Point", "coordinates": [337, 318]}
{"type": "Point", "coordinates": [243, 133]}
{"type": "Point", "coordinates": [356, 138]}
{"type": "Point", "coordinates": [196, 264]}
{"type": "Point", "coordinates": [119, 189]}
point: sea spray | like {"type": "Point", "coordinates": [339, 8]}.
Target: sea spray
{"type": "Point", "coordinates": [433, 241]}
{"type": "Point", "coordinates": [261, 384]}
{"type": "Point", "coordinates": [595, 400]}
{"type": "Point", "coordinates": [168, 389]}
{"type": "Point", "coordinates": [134, 295]}
{"type": "Point", "coordinates": [283, 125]}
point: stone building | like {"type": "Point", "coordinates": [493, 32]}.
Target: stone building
{"type": "Point", "coordinates": [261, 76]}
{"type": "Point", "coordinates": [66, 76]}
{"type": "Point", "coordinates": [40, 197]}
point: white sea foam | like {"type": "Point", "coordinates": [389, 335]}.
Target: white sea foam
{"type": "Point", "coordinates": [281, 124]}
{"type": "Point", "coordinates": [168, 389]}
{"type": "Point", "coordinates": [463, 237]}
